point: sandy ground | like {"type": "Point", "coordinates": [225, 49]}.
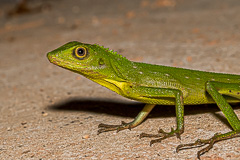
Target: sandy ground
{"type": "Point", "coordinates": [50, 113]}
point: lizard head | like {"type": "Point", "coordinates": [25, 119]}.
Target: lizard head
{"type": "Point", "coordinates": [92, 61]}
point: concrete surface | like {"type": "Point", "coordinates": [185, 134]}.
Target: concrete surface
{"type": "Point", "coordinates": [50, 113]}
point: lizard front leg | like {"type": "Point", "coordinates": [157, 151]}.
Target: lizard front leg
{"type": "Point", "coordinates": [179, 117]}
{"type": "Point", "coordinates": [140, 117]}
{"type": "Point", "coordinates": [152, 95]}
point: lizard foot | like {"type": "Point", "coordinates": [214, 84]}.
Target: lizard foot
{"type": "Point", "coordinates": [163, 135]}
{"type": "Point", "coordinates": [202, 142]}
{"type": "Point", "coordinates": [106, 127]}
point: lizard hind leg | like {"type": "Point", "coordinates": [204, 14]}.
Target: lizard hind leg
{"type": "Point", "coordinates": [216, 90]}
{"type": "Point", "coordinates": [210, 142]}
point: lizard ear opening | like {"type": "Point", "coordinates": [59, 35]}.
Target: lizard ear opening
{"type": "Point", "coordinates": [80, 53]}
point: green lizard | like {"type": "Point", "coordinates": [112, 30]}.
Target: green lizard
{"type": "Point", "coordinates": [153, 85]}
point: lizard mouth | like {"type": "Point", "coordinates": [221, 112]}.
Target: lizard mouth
{"type": "Point", "coordinates": [60, 62]}
{"type": "Point", "coordinates": [81, 69]}
{"type": "Point", "coordinates": [52, 59]}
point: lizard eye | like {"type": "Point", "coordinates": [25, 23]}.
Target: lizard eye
{"type": "Point", "coordinates": [80, 52]}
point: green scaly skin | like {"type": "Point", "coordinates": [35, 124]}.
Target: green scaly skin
{"type": "Point", "coordinates": [153, 85]}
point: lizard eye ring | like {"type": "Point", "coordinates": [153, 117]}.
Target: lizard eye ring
{"type": "Point", "coordinates": [80, 52]}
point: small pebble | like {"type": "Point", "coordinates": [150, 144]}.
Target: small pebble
{"type": "Point", "coordinates": [85, 136]}
{"type": "Point", "coordinates": [44, 114]}
{"type": "Point", "coordinates": [23, 123]}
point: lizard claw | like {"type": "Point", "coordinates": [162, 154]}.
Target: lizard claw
{"type": "Point", "coordinates": [162, 135]}
{"type": "Point", "coordinates": [106, 127]}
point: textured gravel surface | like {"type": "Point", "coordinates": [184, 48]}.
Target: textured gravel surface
{"type": "Point", "coordinates": [47, 112]}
